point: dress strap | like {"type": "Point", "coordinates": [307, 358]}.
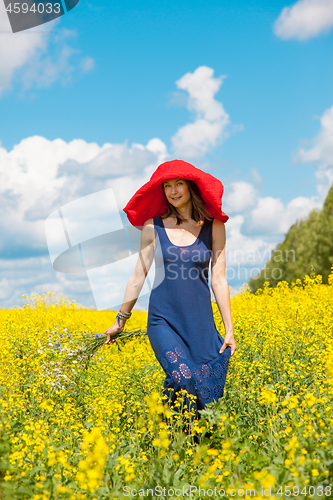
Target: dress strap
{"type": "Point", "coordinates": [157, 221]}
{"type": "Point", "coordinates": [157, 227]}
{"type": "Point", "coordinates": [207, 236]}
{"type": "Point", "coordinates": [211, 234]}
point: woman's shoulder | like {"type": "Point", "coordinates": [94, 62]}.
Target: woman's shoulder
{"type": "Point", "coordinates": [148, 233]}
{"type": "Point", "coordinates": [218, 229]}
{"type": "Point", "coordinates": [149, 222]}
{"type": "Point", "coordinates": [218, 223]}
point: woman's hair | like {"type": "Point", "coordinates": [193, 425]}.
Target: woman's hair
{"type": "Point", "coordinates": [199, 211]}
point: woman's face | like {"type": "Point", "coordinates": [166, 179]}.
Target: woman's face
{"type": "Point", "coordinates": [177, 192]}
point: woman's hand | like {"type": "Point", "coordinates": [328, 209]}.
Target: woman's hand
{"type": "Point", "coordinates": [113, 330]}
{"type": "Point", "coordinates": [229, 340]}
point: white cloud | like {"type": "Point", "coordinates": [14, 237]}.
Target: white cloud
{"type": "Point", "coordinates": [324, 181]}
{"type": "Point", "coordinates": [35, 274]}
{"type": "Point", "coordinates": [305, 19]}
{"type": "Point", "coordinates": [252, 236]}
{"type": "Point", "coordinates": [43, 69]}
{"type": "Point", "coordinates": [270, 216]}
{"type": "Point", "coordinates": [322, 149]}
{"type": "Point", "coordinates": [39, 176]}
{"type": "Point", "coordinates": [321, 153]}
{"type": "Point", "coordinates": [240, 196]}
{"type": "Point", "coordinates": [15, 50]}
{"type": "Point", "coordinates": [245, 255]}
{"type": "Point", "coordinates": [36, 58]}
{"type": "Point", "coordinates": [118, 160]}
{"type": "Point", "coordinates": [241, 248]}
{"type": "Point", "coordinates": [210, 122]}
{"type": "Point", "coordinates": [202, 87]}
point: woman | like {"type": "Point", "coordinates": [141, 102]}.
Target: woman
{"type": "Point", "coordinates": [181, 326]}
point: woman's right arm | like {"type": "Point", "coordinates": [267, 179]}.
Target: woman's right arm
{"type": "Point", "coordinates": [136, 281]}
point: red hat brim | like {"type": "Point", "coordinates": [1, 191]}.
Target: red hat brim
{"type": "Point", "coordinates": [150, 201]}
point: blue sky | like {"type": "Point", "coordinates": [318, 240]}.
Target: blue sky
{"type": "Point", "coordinates": [106, 74]}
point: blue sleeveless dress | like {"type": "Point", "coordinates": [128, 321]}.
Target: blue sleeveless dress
{"type": "Point", "coordinates": [181, 327]}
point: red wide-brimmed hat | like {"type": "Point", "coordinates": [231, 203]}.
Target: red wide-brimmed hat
{"type": "Point", "coordinates": [150, 201]}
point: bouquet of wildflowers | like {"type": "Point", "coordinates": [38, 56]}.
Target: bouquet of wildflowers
{"type": "Point", "coordinates": [79, 346]}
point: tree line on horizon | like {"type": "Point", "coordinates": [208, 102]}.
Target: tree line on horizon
{"type": "Point", "coordinates": [306, 249]}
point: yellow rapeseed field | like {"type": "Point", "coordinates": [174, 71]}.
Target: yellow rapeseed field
{"type": "Point", "coordinates": [67, 432]}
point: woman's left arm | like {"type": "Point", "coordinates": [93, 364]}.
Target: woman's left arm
{"type": "Point", "coordinates": [220, 285]}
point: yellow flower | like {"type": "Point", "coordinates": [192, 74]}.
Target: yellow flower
{"type": "Point", "coordinates": [61, 489]}
{"type": "Point", "coordinates": [267, 481]}
{"type": "Point", "coordinates": [165, 443]}
{"type": "Point", "coordinates": [267, 396]}
{"type": "Point", "coordinates": [213, 452]}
